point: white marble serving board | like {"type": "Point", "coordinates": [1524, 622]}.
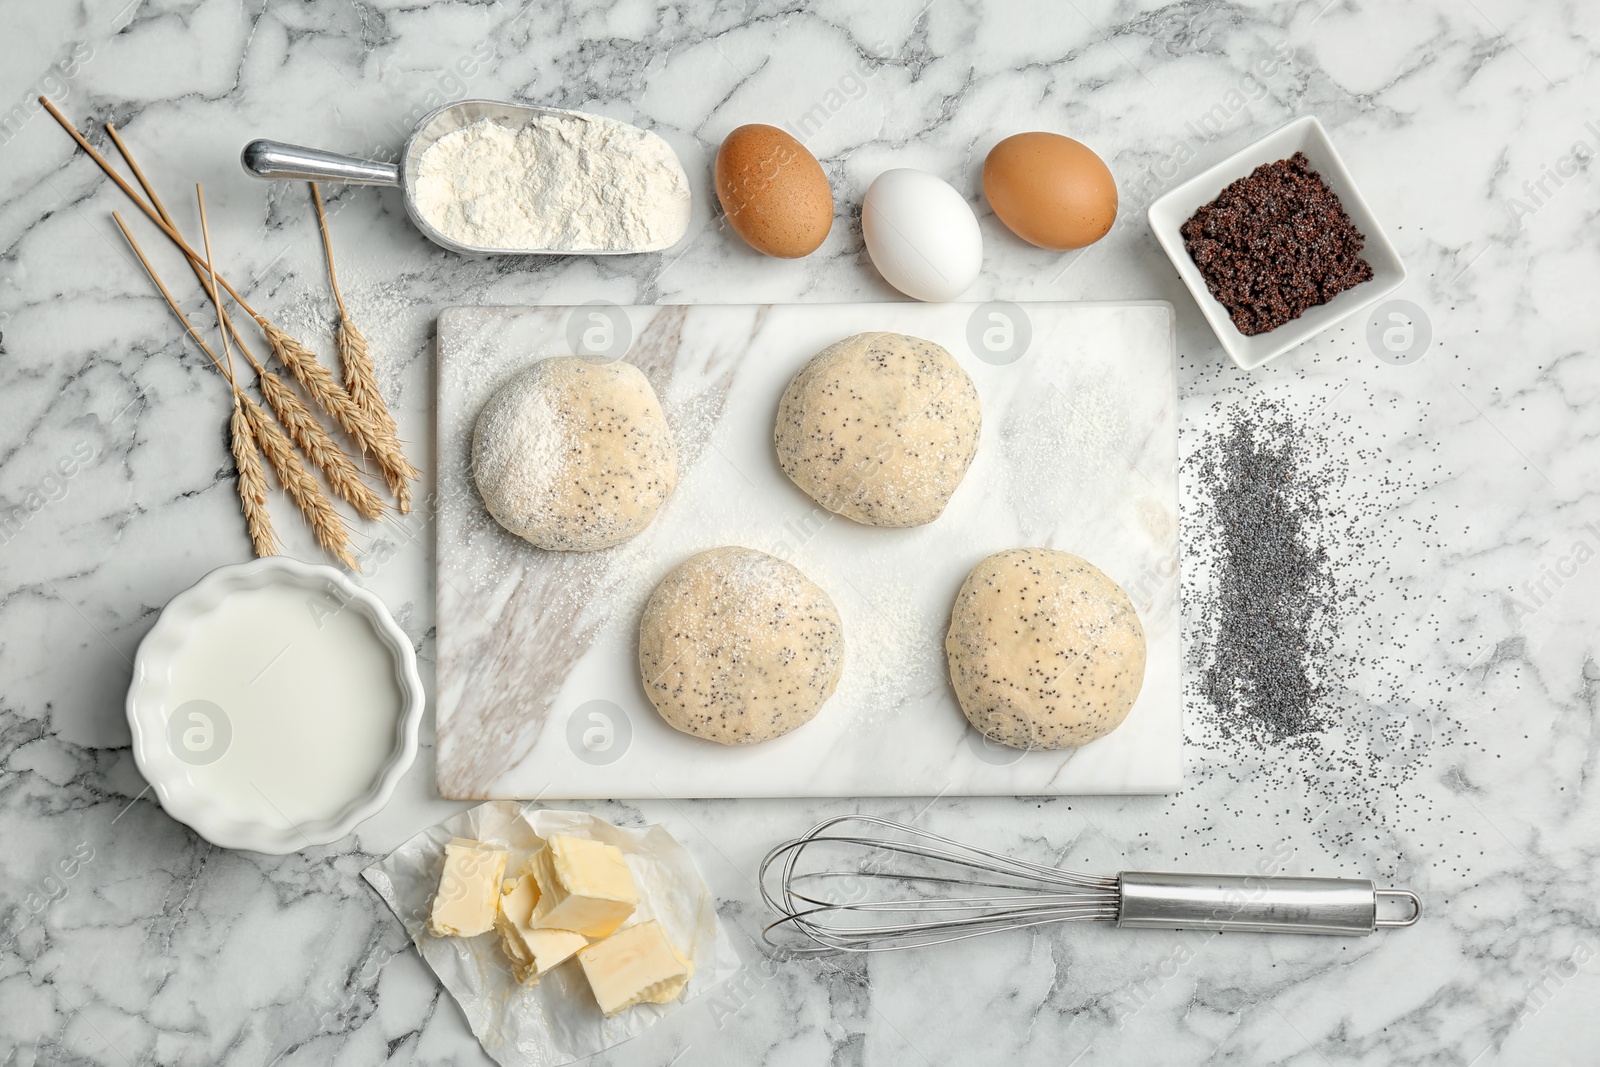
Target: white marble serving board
{"type": "Point", "coordinates": [538, 690]}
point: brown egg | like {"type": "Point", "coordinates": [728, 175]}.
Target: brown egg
{"type": "Point", "coordinates": [1050, 190]}
{"type": "Point", "coordinates": [774, 191]}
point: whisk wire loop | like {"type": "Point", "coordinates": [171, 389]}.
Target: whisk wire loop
{"type": "Point", "coordinates": [836, 910]}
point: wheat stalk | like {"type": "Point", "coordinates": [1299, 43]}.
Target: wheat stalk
{"type": "Point", "coordinates": [325, 522]}
{"type": "Point", "coordinates": [302, 488]}
{"type": "Point", "coordinates": [163, 223]}
{"type": "Point", "coordinates": [360, 376]}
{"type": "Point", "coordinates": [361, 379]}
{"type": "Point", "coordinates": [250, 479]}
{"type": "Point", "coordinates": [252, 482]}
{"type": "Point", "coordinates": [397, 470]}
{"type": "Point", "coordinates": [304, 428]}
{"type": "Point", "coordinates": [300, 485]}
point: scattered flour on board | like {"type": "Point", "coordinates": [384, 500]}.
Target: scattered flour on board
{"type": "Point", "coordinates": [894, 654]}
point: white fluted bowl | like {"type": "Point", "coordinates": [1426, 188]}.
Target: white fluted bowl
{"type": "Point", "coordinates": [150, 705]}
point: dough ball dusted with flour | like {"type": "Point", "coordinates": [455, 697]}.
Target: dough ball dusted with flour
{"type": "Point", "coordinates": [1045, 650]}
{"type": "Point", "coordinates": [574, 454]}
{"type": "Point", "coordinates": [879, 428]}
{"type": "Point", "coordinates": [739, 647]}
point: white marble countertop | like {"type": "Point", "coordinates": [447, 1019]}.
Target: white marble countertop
{"type": "Point", "coordinates": [1471, 128]}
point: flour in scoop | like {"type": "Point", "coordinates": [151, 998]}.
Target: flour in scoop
{"type": "Point", "coordinates": [578, 183]}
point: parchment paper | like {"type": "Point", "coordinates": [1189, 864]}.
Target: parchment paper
{"type": "Point", "coordinates": [556, 1021]}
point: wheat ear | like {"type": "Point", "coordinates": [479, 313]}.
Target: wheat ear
{"type": "Point", "coordinates": [361, 382]}
{"type": "Point", "coordinates": [304, 427]}
{"type": "Point", "coordinates": [360, 376]}
{"type": "Point", "coordinates": [319, 447]}
{"type": "Point", "coordinates": [302, 488]}
{"type": "Point", "coordinates": [369, 436]}
{"type": "Point", "coordinates": [252, 482]}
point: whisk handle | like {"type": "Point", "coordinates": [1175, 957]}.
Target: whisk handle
{"type": "Point", "coordinates": [1339, 906]}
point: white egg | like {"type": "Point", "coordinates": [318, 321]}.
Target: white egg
{"type": "Point", "coordinates": [921, 235]}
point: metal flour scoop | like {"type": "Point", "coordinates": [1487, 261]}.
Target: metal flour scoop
{"type": "Point", "coordinates": [271, 160]}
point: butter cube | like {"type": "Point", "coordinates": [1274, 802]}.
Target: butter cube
{"type": "Point", "coordinates": [532, 952]}
{"type": "Point", "coordinates": [634, 966]}
{"type": "Point", "coordinates": [469, 889]}
{"type": "Point", "coordinates": [584, 886]}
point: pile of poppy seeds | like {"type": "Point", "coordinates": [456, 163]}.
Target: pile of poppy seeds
{"type": "Point", "coordinates": [1273, 611]}
{"type": "Point", "coordinates": [1306, 685]}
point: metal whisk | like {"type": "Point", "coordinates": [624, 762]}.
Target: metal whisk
{"type": "Point", "coordinates": [892, 886]}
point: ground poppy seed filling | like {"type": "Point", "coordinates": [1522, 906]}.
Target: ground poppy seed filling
{"type": "Point", "coordinates": [1274, 244]}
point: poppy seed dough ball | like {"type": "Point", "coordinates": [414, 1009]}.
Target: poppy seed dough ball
{"type": "Point", "coordinates": [879, 428]}
{"type": "Point", "coordinates": [1045, 651]}
{"type": "Point", "coordinates": [739, 647]}
{"type": "Point", "coordinates": [574, 454]}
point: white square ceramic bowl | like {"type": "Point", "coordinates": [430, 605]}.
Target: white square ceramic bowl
{"type": "Point", "coordinates": [1174, 208]}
